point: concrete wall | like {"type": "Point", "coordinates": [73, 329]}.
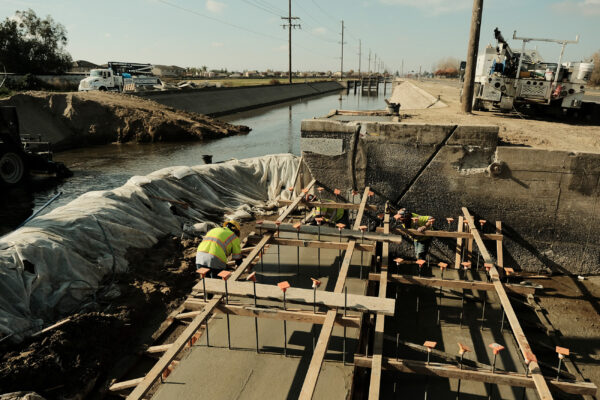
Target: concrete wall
{"type": "Point", "coordinates": [548, 201]}
{"type": "Point", "coordinates": [221, 101]}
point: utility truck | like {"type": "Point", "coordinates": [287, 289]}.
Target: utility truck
{"type": "Point", "coordinates": [506, 79]}
{"type": "Point", "coordinates": [120, 77]}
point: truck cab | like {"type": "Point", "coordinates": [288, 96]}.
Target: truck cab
{"type": "Point", "coordinates": [101, 79]}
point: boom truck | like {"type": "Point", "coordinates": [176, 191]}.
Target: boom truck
{"type": "Point", "coordinates": [506, 79]}
{"type": "Point", "coordinates": [120, 77]}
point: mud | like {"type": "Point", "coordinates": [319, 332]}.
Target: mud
{"type": "Point", "coordinates": [77, 119]}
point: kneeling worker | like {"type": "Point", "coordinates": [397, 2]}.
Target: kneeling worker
{"type": "Point", "coordinates": [218, 244]}
{"type": "Point", "coordinates": [421, 224]}
{"type": "Point", "coordinates": [331, 216]}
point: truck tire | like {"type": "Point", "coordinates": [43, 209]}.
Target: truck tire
{"type": "Point", "coordinates": [102, 89]}
{"type": "Point", "coordinates": [12, 168]}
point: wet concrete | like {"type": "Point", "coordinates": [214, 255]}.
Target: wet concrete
{"type": "Point", "coordinates": [240, 373]}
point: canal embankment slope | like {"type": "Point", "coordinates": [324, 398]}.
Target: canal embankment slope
{"type": "Point", "coordinates": [222, 101]}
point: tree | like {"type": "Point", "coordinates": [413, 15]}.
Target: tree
{"type": "Point", "coordinates": [29, 44]}
{"type": "Point", "coordinates": [595, 79]}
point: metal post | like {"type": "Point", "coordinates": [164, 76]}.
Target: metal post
{"type": "Point", "coordinates": [344, 343]}
{"type": "Point", "coordinates": [284, 329]}
{"type": "Point", "coordinates": [278, 254]}
{"type": "Point", "coordinates": [483, 311]}
{"type": "Point", "coordinates": [298, 255]}
{"type": "Point", "coordinates": [227, 315]}
{"type": "Point", "coordinates": [559, 365]}
{"type": "Point", "coordinates": [255, 318]}
{"type": "Point", "coordinates": [204, 287]}
{"type": "Point", "coordinates": [319, 251]}
{"type": "Point", "coordinates": [502, 323]}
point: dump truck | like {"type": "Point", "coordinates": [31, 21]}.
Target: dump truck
{"type": "Point", "coordinates": [21, 155]}
{"type": "Point", "coordinates": [120, 77]}
{"type": "Point", "coordinates": [506, 79]}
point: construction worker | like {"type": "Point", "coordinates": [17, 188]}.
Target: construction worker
{"type": "Point", "coordinates": [421, 223]}
{"type": "Point", "coordinates": [218, 244]}
{"type": "Point", "coordinates": [331, 216]}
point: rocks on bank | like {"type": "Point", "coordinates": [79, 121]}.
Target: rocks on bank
{"type": "Point", "coordinates": [77, 119]}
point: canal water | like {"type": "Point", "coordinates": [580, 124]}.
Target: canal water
{"type": "Point", "coordinates": [275, 129]}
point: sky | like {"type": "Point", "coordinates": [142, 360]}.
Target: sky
{"type": "Point", "coordinates": [247, 34]}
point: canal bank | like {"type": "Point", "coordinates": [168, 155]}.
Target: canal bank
{"type": "Point", "coordinates": [223, 101]}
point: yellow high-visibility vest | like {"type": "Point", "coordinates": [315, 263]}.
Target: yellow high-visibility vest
{"type": "Point", "coordinates": [220, 243]}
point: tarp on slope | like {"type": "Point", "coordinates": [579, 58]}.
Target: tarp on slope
{"type": "Point", "coordinates": [56, 261]}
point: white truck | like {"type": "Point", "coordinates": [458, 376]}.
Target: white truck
{"type": "Point", "coordinates": [120, 77]}
{"type": "Point", "coordinates": [505, 79]}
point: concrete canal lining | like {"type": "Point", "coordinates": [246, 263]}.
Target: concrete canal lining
{"type": "Point", "coordinates": [221, 101]}
{"type": "Point", "coordinates": [547, 200]}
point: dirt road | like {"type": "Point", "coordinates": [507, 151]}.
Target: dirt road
{"type": "Point", "coordinates": [552, 134]}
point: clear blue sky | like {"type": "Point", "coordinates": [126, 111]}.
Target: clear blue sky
{"type": "Point", "coordinates": [192, 33]}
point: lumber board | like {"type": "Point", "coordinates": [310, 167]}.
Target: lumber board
{"type": "Point", "coordinates": [314, 368]}
{"type": "Point", "coordinates": [152, 376]}
{"type": "Point", "coordinates": [304, 316]}
{"type": "Point", "coordinates": [331, 231]}
{"type": "Point", "coordinates": [317, 244]}
{"type": "Point", "coordinates": [125, 384]}
{"type": "Point", "coordinates": [345, 206]}
{"type": "Point", "coordinates": [536, 374]}
{"type": "Point", "coordinates": [475, 374]}
{"type": "Point", "coordinates": [459, 244]}
{"type": "Point", "coordinates": [375, 380]}
{"type": "Point", "coordinates": [443, 234]}
{"type": "Point", "coordinates": [298, 295]}
{"type": "Point", "coordinates": [453, 283]}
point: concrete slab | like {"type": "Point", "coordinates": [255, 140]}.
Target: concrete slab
{"type": "Point", "coordinates": [240, 373]}
{"type": "Point", "coordinates": [412, 97]}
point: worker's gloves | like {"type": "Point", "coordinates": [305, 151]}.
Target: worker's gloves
{"type": "Point", "coordinates": [421, 229]}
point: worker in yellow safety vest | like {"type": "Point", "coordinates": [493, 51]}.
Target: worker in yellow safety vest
{"type": "Point", "coordinates": [218, 244]}
{"type": "Point", "coordinates": [421, 223]}
{"type": "Point", "coordinates": [330, 216]}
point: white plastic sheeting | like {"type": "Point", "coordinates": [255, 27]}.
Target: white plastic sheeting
{"type": "Point", "coordinates": [56, 261]}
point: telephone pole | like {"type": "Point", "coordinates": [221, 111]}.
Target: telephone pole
{"type": "Point", "coordinates": [369, 62]}
{"type": "Point", "coordinates": [342, 58]}
{"type": "Point", "coordinates": [359, 56]}
{"type": "Point", "coordinates": [467, 97]}
{"type": "Point", "coordinates": [375, 69]}
{"type": "Point", "coordinates": [290, 26]}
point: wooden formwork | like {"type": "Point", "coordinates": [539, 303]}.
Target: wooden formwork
{"type": "Point", "coordinates": [197, 310]}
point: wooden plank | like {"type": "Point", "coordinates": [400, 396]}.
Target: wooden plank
{"type": "Point", "coordinates": [375, 381]}
{"type": "Point", "coordinates": [345, 206]}
{"type": "Point", "coordinates": [331, 231]}
{"type": "Point", "coordinates": [452, 283]}
{"type": "Point", "coordinates": [125, 384]}
{"type": "Point", "coordinates": [272, 313]}
{"type": "Point", "coordinates": [298, 295]}
{"type": "Point", "coordinates": [191, 329]}
{"type": "Point", "coordinates": [443, 234]}
{"type": "Point", "coordinates": [317, 244]}
{"type": "Point", "coordinates": [499, 250]}
{"type": "Point", "coordinates": [459, 244]}
{"type": "Point", "coordinates": [537, 376]}
{"type": "Point", "coordinates": [475, 374]}
{"type": "Point", "coordinates": [314, 368]}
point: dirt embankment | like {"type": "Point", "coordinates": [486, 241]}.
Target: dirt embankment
{"type": "Point", "coordinates": [77, 119]}
{"type": "Point", "coordinates": [69, 361]}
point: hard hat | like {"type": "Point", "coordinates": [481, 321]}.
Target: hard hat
{"type": "Point", "coordinates": [235, 224]}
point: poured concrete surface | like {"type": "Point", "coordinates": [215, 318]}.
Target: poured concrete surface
{"type": "Point", "coordinates": [412, 97]}
{"type": "Point", "coordinates": [240, 373]}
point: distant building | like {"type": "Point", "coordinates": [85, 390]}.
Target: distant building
{"type": "Point", "coordinates": [82, 66]}
{"type": "Point", "coordinates": [168, 71]}
{"type": "Point", "coordinates": [251, 74]}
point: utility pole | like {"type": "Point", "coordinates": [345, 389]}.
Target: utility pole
{"type": "Point", "coordinates": [359, 56]}
{"type": "Point", "coordinates": [369, 62]}
{"type": "Point", "coordinates": [402, 69]}
{"type": "Point", "coordinates": [290, 26]}
{"type": "Point", "coordinates": [375, 69]}
{"type": "Point", "coordinates": [342, 58]}
{"type": "Point", "coordinates": [467, 95]}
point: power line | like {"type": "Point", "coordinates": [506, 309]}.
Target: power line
{"type": "Point", "coordinates": [262, 8]}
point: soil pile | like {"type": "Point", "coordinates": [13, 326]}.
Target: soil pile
{"type": "Point", "coordinates": [75, 119]}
